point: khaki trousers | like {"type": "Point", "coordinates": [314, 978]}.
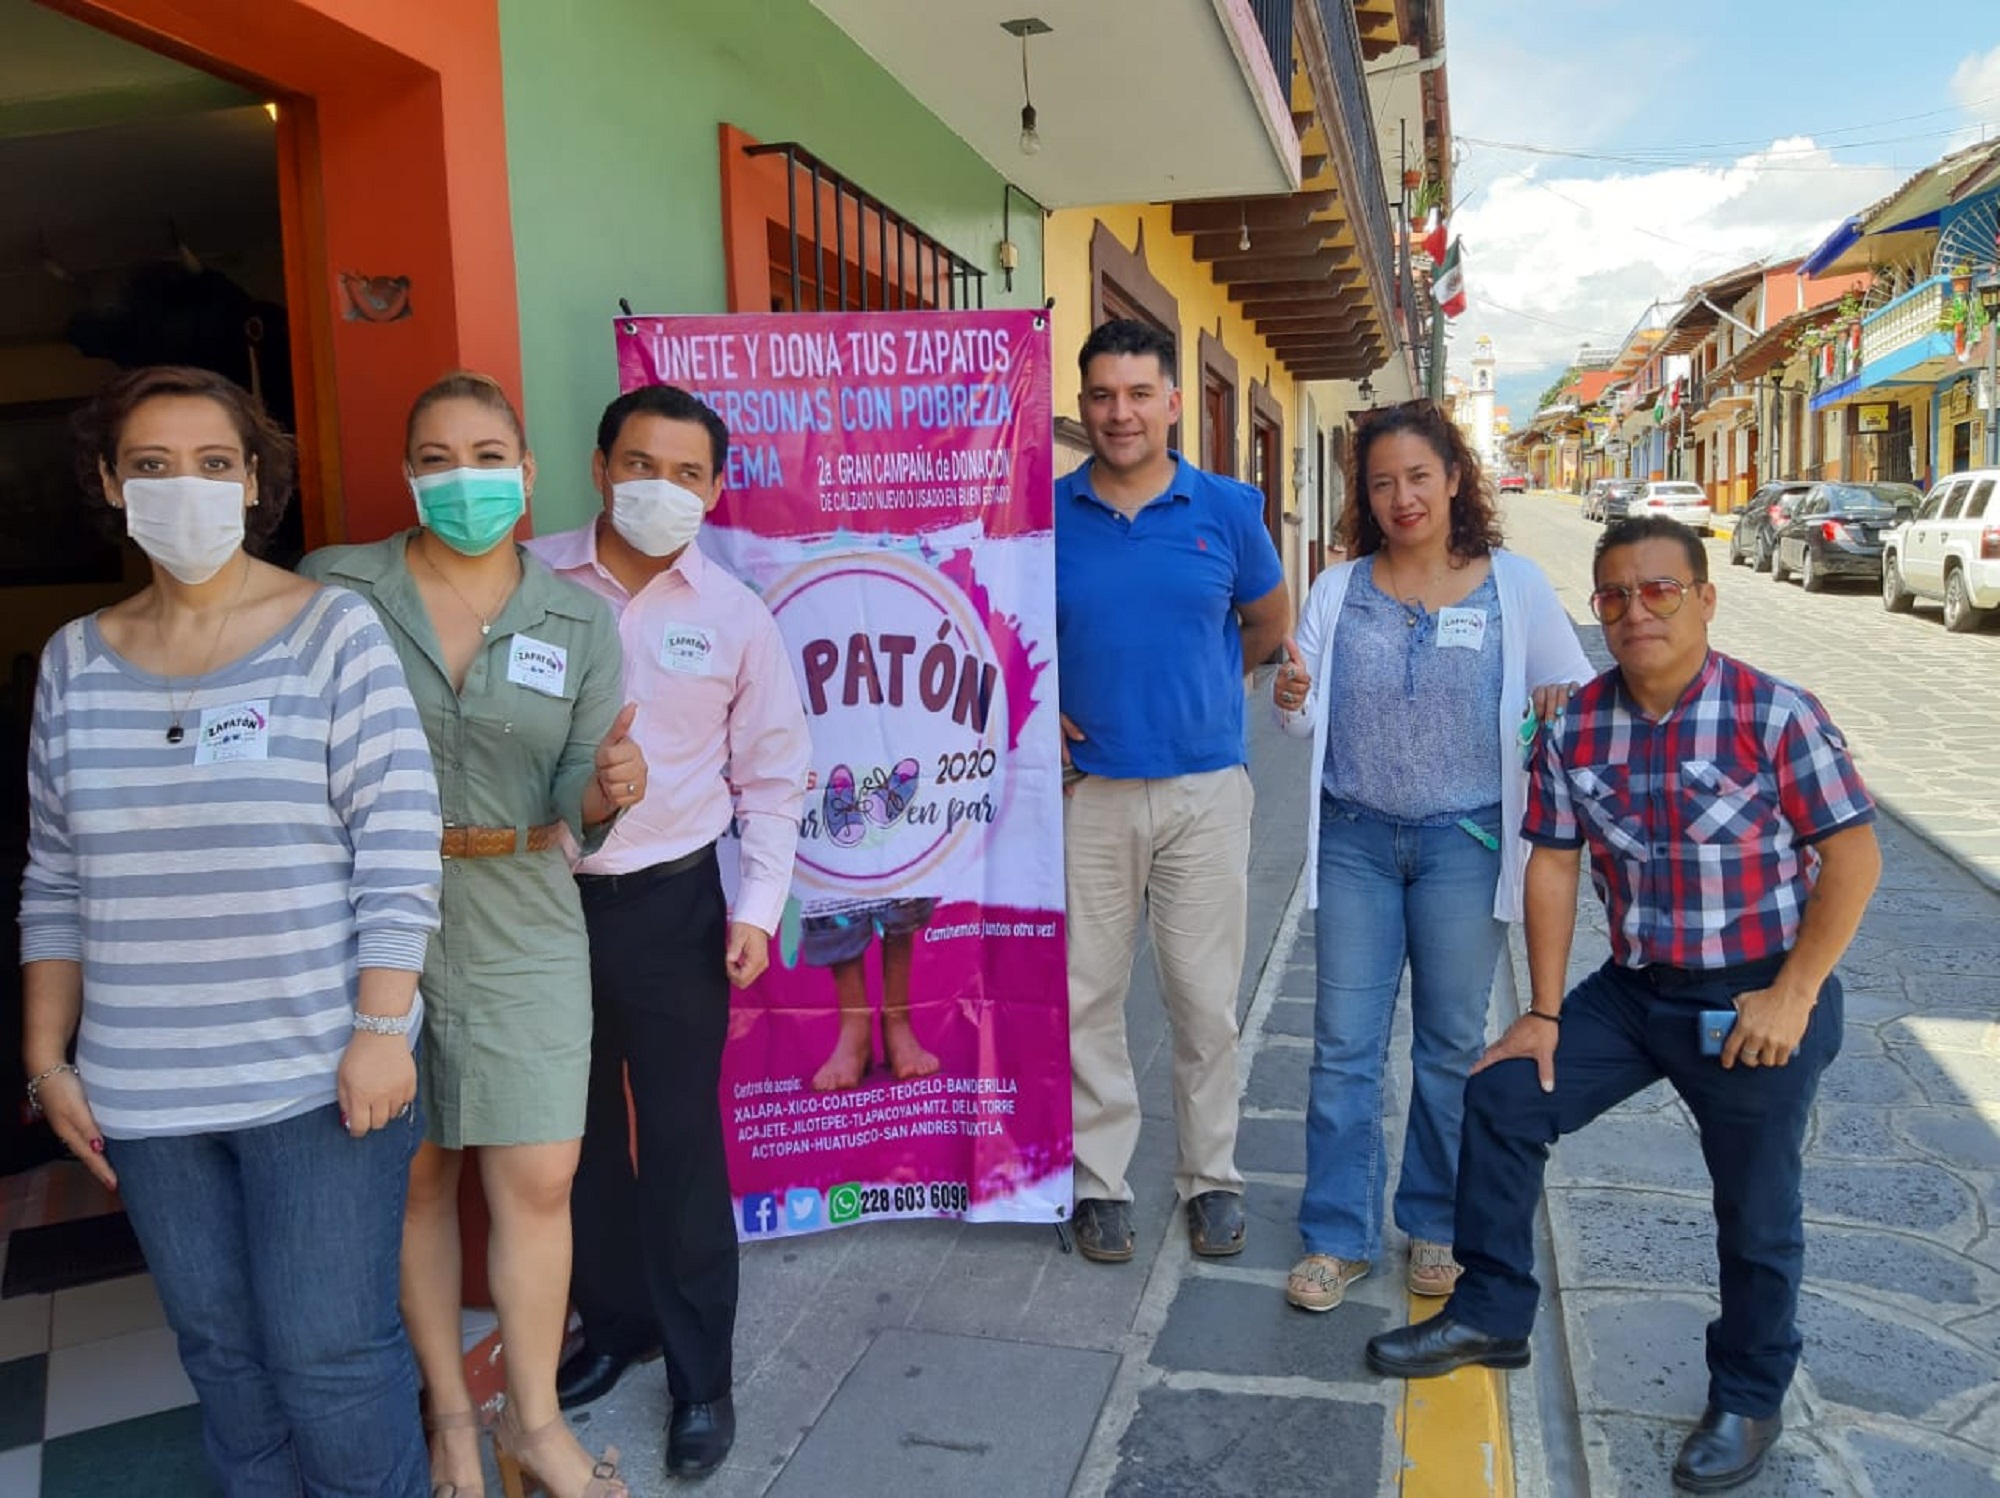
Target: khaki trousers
{"type": "Point", "coordinates": [1178, 849]}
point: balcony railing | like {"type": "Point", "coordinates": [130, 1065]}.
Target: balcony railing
{"type": "Point", "coordinates": [1898, 324]}
{"type": "Point", "coordinates": [1370, 204]}
{"type": "Point", "coordinates": [1274, 19]}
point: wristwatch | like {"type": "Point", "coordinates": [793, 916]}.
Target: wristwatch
{"type": "Point", "coordinates": [386, 1024]}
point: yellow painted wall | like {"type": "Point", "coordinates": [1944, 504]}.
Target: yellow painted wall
{"type": "Point", "coordinates": [1203, 304]}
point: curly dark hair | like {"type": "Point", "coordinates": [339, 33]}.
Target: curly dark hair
{"type": "Point", "coordinates": [267, 450]}
{"type": "Point", "coordinates": [1475, 523]}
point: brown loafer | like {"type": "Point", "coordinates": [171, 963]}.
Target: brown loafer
{"type": "Point", "coordinates": [1215, 1224]}
{"type": "Point", "coordinates": [1103, 1230]}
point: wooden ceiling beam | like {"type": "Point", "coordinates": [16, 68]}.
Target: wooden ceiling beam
{"type": "Point", "coordinates": [1274, 269]}
{"type": "Point", "coordinates": [1316, 285]}
{"type": "Point", "coordinates": [1303, 309]}
{"type": "Point", "coordinates": [1226, 244]}
{"type": "Point", "coordinates": [1291, 210]}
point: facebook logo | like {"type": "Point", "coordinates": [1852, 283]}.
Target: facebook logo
{"type": "Point", "coordinates": [760, 1213]}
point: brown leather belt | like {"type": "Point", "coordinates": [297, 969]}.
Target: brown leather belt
{"type": "Point", "coordinates": [497, 842]}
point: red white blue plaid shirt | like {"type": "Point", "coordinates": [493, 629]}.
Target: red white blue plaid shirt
{"type": "Point", "coordinates": [1700, 824]}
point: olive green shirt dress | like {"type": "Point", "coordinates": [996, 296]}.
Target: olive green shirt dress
{"type": "Point", "coordinates": [506, 986]}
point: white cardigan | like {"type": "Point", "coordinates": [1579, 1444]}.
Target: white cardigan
{"type": "Point", "coordinates": [1538, 646]}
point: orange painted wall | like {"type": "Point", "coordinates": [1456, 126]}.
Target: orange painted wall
{"type": "Point", "coordinates": [393, 139]}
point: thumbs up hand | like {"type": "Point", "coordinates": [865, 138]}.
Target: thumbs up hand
{"type": "Point", "coordinates": [1294, 683]}
{"type": "Point", "coordinates": [621, 771]}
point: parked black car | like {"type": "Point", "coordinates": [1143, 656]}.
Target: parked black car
{"type": "Point", "coordinates": [1837, 531]}
{"type": "Point", "coordinates": [1769, 508]}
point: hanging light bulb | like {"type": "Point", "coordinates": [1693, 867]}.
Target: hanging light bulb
{"type": "Point", "coordinates": [1243, 238]}
{"type": "Point", "coordinates": [1031, 139]}
{"type": "Point", "coordinates": [1027, 26]}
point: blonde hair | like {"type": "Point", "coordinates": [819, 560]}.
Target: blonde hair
{"type": "Point", "coordinates": [468, 385]}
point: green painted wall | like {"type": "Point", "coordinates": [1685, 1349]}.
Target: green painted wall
{"type": "Point", "coordinates": [612, 109]}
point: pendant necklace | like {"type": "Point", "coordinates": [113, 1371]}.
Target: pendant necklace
{"type": "Point", "coordinates": [1413, 609]}
{"type": "Point", "coordinates": [177, 710]}
{"type": "Point", "coordinates": [485, 620]}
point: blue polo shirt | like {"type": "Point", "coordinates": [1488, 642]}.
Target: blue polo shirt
{"type": "Point", "coordinates": [1150, 654]}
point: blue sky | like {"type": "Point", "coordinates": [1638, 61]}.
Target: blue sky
{"type": "Point", "coordinates": [1564, 248]}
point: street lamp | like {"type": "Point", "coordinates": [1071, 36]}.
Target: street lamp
{"type": "Point", "coordinates": [1989, 303]}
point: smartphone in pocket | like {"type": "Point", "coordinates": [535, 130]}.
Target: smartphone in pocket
{"type": "Point", "coordinates": [1715, 1027]}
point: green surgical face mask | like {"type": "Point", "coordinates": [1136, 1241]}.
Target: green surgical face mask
{"type": "Point", "coordinates": [471, 510]}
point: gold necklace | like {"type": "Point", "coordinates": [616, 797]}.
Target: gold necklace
{"type": "Point", "coordinates": [177, 711]}
{"type": "Point", "coordinates": [485, 620]}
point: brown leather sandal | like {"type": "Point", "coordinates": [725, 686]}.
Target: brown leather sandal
{"type": "Point", "coordinates": [514, 1448]}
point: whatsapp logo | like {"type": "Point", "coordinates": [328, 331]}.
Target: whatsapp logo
{"type": "Point", "coordinates": [843, 1203]}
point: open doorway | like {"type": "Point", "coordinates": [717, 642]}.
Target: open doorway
{"type": "Point", "coordinates": [143, 226]}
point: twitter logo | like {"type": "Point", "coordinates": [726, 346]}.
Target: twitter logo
{"type": "Point", "coordinates": [802, 1209]}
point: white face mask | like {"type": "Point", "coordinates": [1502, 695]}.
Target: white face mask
{"type": "Point", "coordinates": [189, 525]}
{"type": "Point", "coordinates": [656, 516]}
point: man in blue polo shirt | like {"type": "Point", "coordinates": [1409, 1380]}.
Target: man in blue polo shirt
{"type": "Point", "coordinates": [1167, 584]}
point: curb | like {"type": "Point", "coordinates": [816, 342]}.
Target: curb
{"type": "Point", "coordinates": [1457, 1439]}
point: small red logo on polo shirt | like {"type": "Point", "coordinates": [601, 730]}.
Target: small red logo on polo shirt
{"type": "Point", "coordinates": [1201, 542]}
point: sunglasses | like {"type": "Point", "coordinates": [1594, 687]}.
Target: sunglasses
{"type": "Point", "coordinates": [1663, 597]}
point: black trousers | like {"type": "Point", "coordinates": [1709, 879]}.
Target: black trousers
{"type": "Point", "coordinates": [656, 1251]}
{"type": "Point", "coordinates": [1624, 1029]}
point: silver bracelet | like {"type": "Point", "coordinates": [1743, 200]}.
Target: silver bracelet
{"type": "Point", "coordinates": [386, 1024]}
{"type": "Point", "coordinates": [35, 1085]}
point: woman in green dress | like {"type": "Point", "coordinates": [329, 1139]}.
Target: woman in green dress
{"type": "Point", "coordinates": [517, 676]}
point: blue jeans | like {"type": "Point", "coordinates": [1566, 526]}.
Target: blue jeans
{"type": "Point", "coordinates": [275, 1252]}
{"type": "Point", "coordinates": [1391, 893]}
{"type": "Point", "coordinates": [1624, 1029]}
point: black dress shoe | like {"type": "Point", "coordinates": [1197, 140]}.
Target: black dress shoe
{"type": "Point", "coordinates": [1103, 1230]}
{"type": "Point", "coordinates": [587, 1375]}
{"type": "Point", "coordinates": [1429, 1348]}
{"type": "Point", "coordinates": [699, 1437]}
{"type": "Point", "coordinates": [1215, 1224]}
{"type": "Point", "coordinates": [1724, 1450]}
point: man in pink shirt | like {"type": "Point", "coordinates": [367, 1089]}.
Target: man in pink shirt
{"type": "Point", "coordinates": [722, 726]}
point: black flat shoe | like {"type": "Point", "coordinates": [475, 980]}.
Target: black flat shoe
{"type": "Point", "coordinates": [586, 1375]}
{"type": "Point", "coordinates": [1430, 1348]}
{"type": "Point", "coordinates": [1215, 1224]}
{"type": "Point", "coordinates": [1103, 1230]}
{"type": "Point", "coordinates": [699, 1437]}
{"type": "Point", "coordinates": [1724, 1450]}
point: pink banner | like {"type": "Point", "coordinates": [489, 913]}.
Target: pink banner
{"type": "Point", "coordinates": [889, 494]}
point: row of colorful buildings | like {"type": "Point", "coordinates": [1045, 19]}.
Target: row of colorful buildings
{"type": "Point", "coordinates": [1868, 359]}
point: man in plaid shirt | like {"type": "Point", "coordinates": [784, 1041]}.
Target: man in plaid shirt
{"type": "Point", "coordinates": [1731, 843]}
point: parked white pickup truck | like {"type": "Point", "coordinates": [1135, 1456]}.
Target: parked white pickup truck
{"type": "Point", "coordinates": [1949, 551]}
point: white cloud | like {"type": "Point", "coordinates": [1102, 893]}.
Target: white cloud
{"type": "Point", "coordinates": [1975, 89]}
{"type": "Point", "coordinates": [1578, 259]}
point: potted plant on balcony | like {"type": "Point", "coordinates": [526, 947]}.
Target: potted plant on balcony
{"type": "Point", "coordinates": [1955, 318]}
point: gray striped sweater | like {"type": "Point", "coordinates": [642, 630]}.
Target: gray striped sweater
{"type": "Point", "coordinates": [223, 893]}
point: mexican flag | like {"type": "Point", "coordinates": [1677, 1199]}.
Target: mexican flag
{"type": "Point", "coordinates": [1660, 407]}
{"type": "Point", "coordinates": [1449, 287]}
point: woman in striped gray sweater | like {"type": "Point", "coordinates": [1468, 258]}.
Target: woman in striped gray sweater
{"type": "Point", "coordinates": [232, 880]}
